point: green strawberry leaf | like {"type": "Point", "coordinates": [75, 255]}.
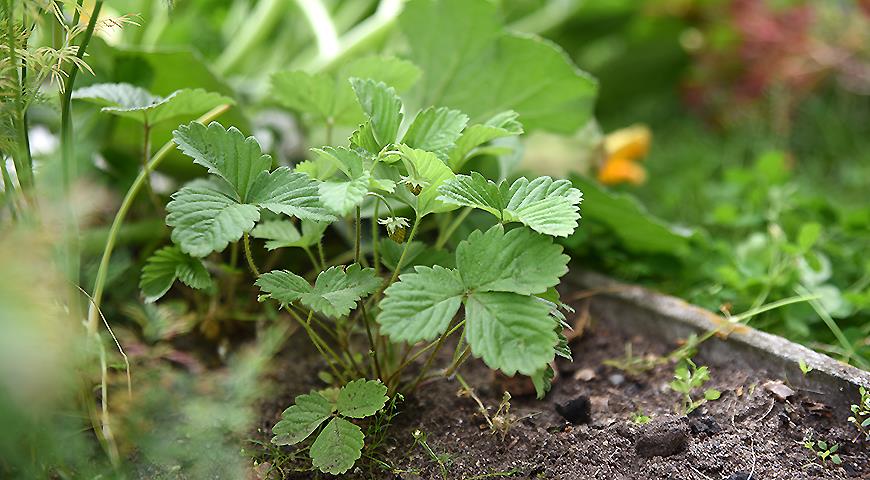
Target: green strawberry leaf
{"type": "Point", "coordinates": [291, 193]}
{"type": "Point", "coordinates": [510, 332]}
{"type": "Point", "coordinates": [282, 285]}
{"type": "Point", "coordinates": [167, 265]}
{"type": "Point", "coordinates": [421, 305]}
{"type": "Point", "coordinates": [436, 130]}
{"type": "Point", "coordinates": [471, 64]}
{"type": "Point", "coordinates": [361, 398]}
{"type": "Point", "coordinates": [329, 98]}
{"type": "Point", "coordinates": [206, 217]}
{"type": "Point", "coordinates": [518, 261]}
{"type": "Point", "coordinates": [543, 381]}
{"type": "Point", "coordinates": [302, 419]}
{"type": "Point", "coordinates": [338, 447]}
{"type": "Point", "coordinates": [342, 196]}
{"type": "Point", "coordinates": [429, 169]}
{"type": "Point", "coordinates": [225, 153]}
{"type": "Point", "coordinates": [136, 103]}
{"type": "Point", "coordinates": [545, 205]}
{"type": "Point", "coordinates": [337, 290]}
{"type": "Point", "coordinates": [501, 125]}
{"type": "Point", "coordinates": [284, 234]}
{"type": "Point", "coordinates": [382, 107]}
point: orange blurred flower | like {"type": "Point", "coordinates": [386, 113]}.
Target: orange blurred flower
{"type": "Point", "coordinates": [623, 150]}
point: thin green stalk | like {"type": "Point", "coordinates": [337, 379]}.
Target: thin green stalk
{"type": "Point", "coordinates": [312, 258]}
{"type": "Point", "coordinates": [401, 261]}
{"type": "Point", "coordinates": [257, 26]}
{"type": "Point", "coordinates": [376, 260]}
{"type": "Point", "coordinates": [135, 188]}
{"type": "Point", "coordinates": [458, 361]}
{"type": "Point", "coordinates": [146, 155]}
{"type": "Point", "coordinates": [315, 339]}
{"type": "Point", "coordinates": [407, 361]}
{"type": "Point", "coordinates": [448, 232]}
{"type": "Point", "coordinates": [321, 255]}
{"type": "Point", "coordinates": [246, 239]}
{"type": "Point", "coordinates": [428, 363]}
{"type": "Point", "coordinates": [358, 239]}
{"type": "Point", "coordinates": [832, 325]}
{"type": "Point", "coordinates": [372, 345]}
{"type": "Point", "coordinates": [20, 154]}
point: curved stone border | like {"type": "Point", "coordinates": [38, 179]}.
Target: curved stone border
{"type": "Point", "coordinates": [666, 318]}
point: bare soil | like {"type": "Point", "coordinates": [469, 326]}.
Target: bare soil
{"type": "Point", "coordinates": [747, 433]}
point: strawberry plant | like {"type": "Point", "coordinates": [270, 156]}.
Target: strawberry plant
{"type": "Point", "coordinates": [502, 276]}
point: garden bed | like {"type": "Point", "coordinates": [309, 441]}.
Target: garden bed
{"type": "Point", "coordinates": [767, 409]}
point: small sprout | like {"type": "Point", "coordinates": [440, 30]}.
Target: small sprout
{"type": "Point", "coordinates": [823, 450]}
{"type": "Point", "coordinates": [804, 367]}
{"type": "Point", "coordinates": [861, 414]}
{"type": "Point", "coordinates": [396, 227]}
{"type": "Point", "coordinates": [639, 418]}
{"type": "Point", "coordinates": [688, 378]}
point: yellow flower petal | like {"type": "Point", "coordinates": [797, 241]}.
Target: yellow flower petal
{"type": "Point", "coordinates": [631, 142]}
{"type": "Point", "coordinates": [621, 170]}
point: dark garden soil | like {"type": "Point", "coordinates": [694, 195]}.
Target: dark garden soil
{"type": "Point", "coordinates": [748, 431]}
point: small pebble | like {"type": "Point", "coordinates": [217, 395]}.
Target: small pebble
{"type": "Point", "coordinates": [743, 476]}
{"type": "Point", "coordinates": [584, 374]}
{"type": "Point", "coordinates": [616, 379]}
{"type": "Point", "coordinates": [576, 411]}
{"type": "Point", "coordinates": [779, 390]}
{"type": "Point", "coordinates": [662, 437]}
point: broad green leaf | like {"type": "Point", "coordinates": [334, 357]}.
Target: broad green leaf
{"type": "Point", "coordinates": [349, 161]}
{"type": "Point", "coordinates": [472, 65]}
{"type": "Point", "coordinates": [133, 102]}
{"type": "Point", "coordinates": [430, 169]}
{"type": "Point", "coordinates": [503, 124]}
{"type": "Point", "coordinates": [421, 305]}
{"type": "Point", "coordinates": [382, 107]}
{"type": "Point", "coordinates": [291, 193]}
{"type": "Point", "coordinates": [510, 332]}
{"type": "Point", "coordinates": [435, 130]}
{"type": "Point", "coordinates": [282, 285]}
{"type": "Point", "coordinates": [284, 234]}
{"type": "Point", "coordinates": [364, 138]}
{"type": "Point", "coordinates": [519, 261]}
{"type": "Point", "coordinates": [330, 97]}
{"type": "Point", "coordinates": [545, 205]}
{"type": "Point", "coordinates": [337, 290]}
{"type": "Point", "coordinates": [338, 447]}
{"type": "Point", "coordinates": [637, 229]}
{"type": "Point", "coordinates": [206, 217]}
{"type": "Point", "coordinates": [225, 153]}
{"type": "Point", "coordinates": [167, 265]}
{"type": "Point", "coordinates": [361, 398]}
{"type": "Point", "coordinates": [302, 419]}
{"type": "Point", "coordinates": [808, 235]}
{"type": "Point", "coordinates": [341, 196]}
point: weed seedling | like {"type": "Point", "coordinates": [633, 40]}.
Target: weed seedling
{"type": "Point", "coordinates": [688, 378]}
{"type": "Point", "coordinates": [804, 367]}
{"type": "Point", "coordinates": [631, 364]}
{"type": "Point", "coordinates": [442, 460]}
{"type": "Point", "coordinates": [861, 414]}
{"type": "Point", "coordinates": [823, 450]}
{"type": "Point", "coordinates": [639, 418]}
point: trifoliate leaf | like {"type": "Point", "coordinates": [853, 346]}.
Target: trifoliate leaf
{"type": "Point", "coordinates": [165, 266]}
{"type": "Point", "coordinates": [329, 98]}
{"type": "Point", "coordinates": [225, 153]}
{"type": "Point", "coordinates": [504, 124]}
{"type": "Point", "coordinates": [284, 234]}
{"type": "Point", "coordinates": [421, 305]}
{"type": "Point", "coordinates": [382, 107]}
{"type": "Point", "coordinates": [337, 290]}
{"type": "Point", "coordinates": [427, 167]}
{"type": "Point", "coordinates": [338, 447]}
{"type": "Point", "coordinates": [510, 332]}
{"type": "Point", "coordinates": [283, 285]}
{"type": "Point", "coordinates": [519, 261]}
{"type": "Point", "coordinates": [206, 217]}
{"type": "Point", "coordinates": [361, 398]}
{"type": "Point", "coordinates": [291, 193]}
{"type": "Point", "coordinates": [545, 205]}
{"type": "Point", "coordinates": [302, 418]}
{"type": "Point", "coordinates": [342, 196]}
{"type": "Point", "coordinates": [435, 130]}
{"type": "Point", "coordinates": [471, 64]}
{"type": "Point", "coordinates": [133, 102]}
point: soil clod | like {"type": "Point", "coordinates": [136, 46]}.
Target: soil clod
{"type": "Point", "coordinates": [742, 476]}
{"type": "Point", "coordinates": [662, 437]}
{"type": "Point", "coordinates": [705, 424]}
{"type": "Point", "coordinates": [577, 411]}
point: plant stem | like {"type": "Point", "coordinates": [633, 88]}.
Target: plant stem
{"type": "Point", "coordinates": [404, 251]}
{"type": "Point", "coordinates": [419, 353]}
{"type": "Point", "coordinates": [314, 262]}
{"type": "Point", "coordinates": [103, 270]}
{"type": "Point", "coordinates": [448, 232]}
{"type": "Point", "coordinates": [320, 254]}
{"type": "Point", "coordinates": [20, 153]}
{"type": "Point", "coordinates": [146, 155]}
{"type": "Point", "coordinates": [248, 256]}
{"type": "Point", "coordinates": [376, 260]}
{"type": "Point", "coordinates": [315, 339]}
{"type": "Point", "coordinates": [358, 239]}
{"type": "Point", "coordinates": [372, 345]}
{"type": "Point", "coordinates": [257, 26]}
